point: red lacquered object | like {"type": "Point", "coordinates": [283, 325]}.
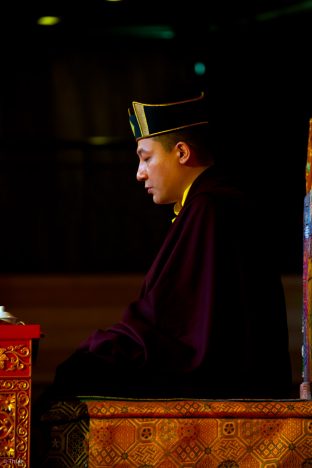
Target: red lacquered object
{"type": "Point", "coordinates": [16, 354]}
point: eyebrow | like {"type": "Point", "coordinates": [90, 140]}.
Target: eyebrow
{"type": "Point", "coordinates": [141, 151]}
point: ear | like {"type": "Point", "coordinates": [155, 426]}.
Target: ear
{"type": "Point", "coordinates": [183, 151]}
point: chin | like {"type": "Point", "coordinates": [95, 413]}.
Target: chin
{"type": "Point", "coordinates": [158, 201]}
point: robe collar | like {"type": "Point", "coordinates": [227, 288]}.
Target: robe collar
{"type": "Point", "coordinates": [178, 206]}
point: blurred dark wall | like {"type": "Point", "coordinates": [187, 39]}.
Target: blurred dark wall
{"type": "Point", "coordinates": [68, 204]}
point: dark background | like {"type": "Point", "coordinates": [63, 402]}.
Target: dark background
{"type": "Point", "coordinates": [69, 201]}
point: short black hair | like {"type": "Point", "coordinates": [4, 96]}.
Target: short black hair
{"type": "Point", "coordinates": [197, 137]}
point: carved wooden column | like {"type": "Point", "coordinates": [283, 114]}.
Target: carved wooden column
{"type": "Point", "coordinates": [16, 343]}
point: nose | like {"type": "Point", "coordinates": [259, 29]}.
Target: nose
{"type": "Point", "coordinates": [141, 173]}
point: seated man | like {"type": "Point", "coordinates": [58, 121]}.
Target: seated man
{"type": "Point", "coordinates": [210, 320]}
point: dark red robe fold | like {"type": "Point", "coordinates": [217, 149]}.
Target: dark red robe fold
{"type": "Point", "coordinates": [210, 320]}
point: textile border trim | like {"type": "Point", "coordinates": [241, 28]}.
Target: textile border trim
{"type": "Point", "coordinates": [109, 408]}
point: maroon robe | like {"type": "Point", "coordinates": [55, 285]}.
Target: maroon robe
{"type": "Point", "coordinates": [210, 320]}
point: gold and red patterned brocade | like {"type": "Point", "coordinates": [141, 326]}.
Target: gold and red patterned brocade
{"type": "Point", "coordinates": [176, 433]}
{"type": "Point", "coordinates": [15, 393]}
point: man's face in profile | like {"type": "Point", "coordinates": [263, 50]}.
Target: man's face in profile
{"type": "Point", "coordinates": [159, 169]}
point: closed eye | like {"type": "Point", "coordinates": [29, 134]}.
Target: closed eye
{"type": "Point", "coordinates": [143, 155]}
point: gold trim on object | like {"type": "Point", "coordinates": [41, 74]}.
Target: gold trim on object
{"type": "Point", "coordinates": [170, 103]}
{"type": "Point", "coordinates": [14, 358]}
{"type": "Point", "coordinates": [171, 130]}
{"type": "Point", "coordinates": [15, 422]}
{"type": "Point", "coordinates": [141, 117]}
